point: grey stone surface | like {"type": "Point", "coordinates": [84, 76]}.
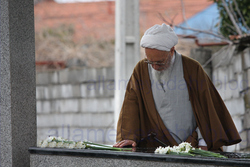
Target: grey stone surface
{"type": "Point", "coordinates": [223, 56]}
{"type": "Point", "coordinates": [87, 120]}
{"type": "Point", "coordinates": [91, 75]}
{"type": "Point", "coordinates": [63, 76]}
{"type": "Point", "coordinates": [238, 123]}
{"type": "Point", "coordinates": [237, 63]}
{"type": "Point", "coordinates": [110, 73]}
{"type": "Point", "coordinates": [202, 56]}
{"type": "Point", "coordinates": [76, 90]}
{"type": "Point", "coordinates": [84, 75]}
{"type": "Point", "coordinates": [18, 98]}
{"type": "Point", "coordinates": [54, 91]}
{"type": "Point", "coordinates": [231, 77]}
{"type": "Point", "coordinates": [68, 161]}
{"type": "Point", "coordinates": [76, 133]}
{"type": "Point", "coordinates": [42, 92]}
{"type": "Point", "coordinates": [246, 82]}
{"type": "Point", "coordinates": [42, 78]}
{"type": "Point", "coordinates": [246, 58]}
{"type": "Point", "coordinates": [222, 76]}
{"type": "Point", "coordinates": [109, 89]}
{"type": "Point", "coordinates": [53, 77]}
{"type": "Point", "coordinates": [243, 143]}
{"type": "Point", "coordinates": [246, 120]}
{"type": "Point", "coordinates": [77, 75]}
{"type": "Point", "coordinates": [82, 98]}
{"type": "Point", "coordinates": [75, 62]}
{"type": "Point", "coordinates": [235, 106]}
{"type": "Point", "coordinates": [248, 138]}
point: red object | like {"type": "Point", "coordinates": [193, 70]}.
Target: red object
{"type": "Point", "coordinates": [51, 64]}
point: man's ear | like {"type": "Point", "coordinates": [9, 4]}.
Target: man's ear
{"type": "Point", "coordinates": [172, 50]}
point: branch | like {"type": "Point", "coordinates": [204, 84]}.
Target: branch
{"type": "Point", "coordinates": [231, 18]}
{"type": "Point", "coordinates": [184, 13]}
{"type": "Point", "coordinates": [172, 20]}
{"type": "Point", "coordinates": [196, 30]}
{"type": "Point", "coordinates": [232, 12]}
{"type": "Point", "coordinates": [242, 18]}
{"type": "Point", "coordinates": [230, 28]}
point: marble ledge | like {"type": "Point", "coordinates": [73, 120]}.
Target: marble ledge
{"type": "Point", "coordinates": [140, 156]}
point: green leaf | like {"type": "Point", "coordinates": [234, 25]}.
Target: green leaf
{"type": "Point", "coordinates": [225, 22]}
{"type": "Point", "coordinates": [181, 154]}
{"type": "Point", "coordinates": [108, 148]}
{"type": "Point", "coordinates": [206, 153]}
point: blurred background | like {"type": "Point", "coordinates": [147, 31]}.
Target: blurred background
{"type": "Point", "coordinates": [75, 60]}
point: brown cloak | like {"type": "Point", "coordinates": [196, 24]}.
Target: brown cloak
{"type": "Point", "coordinates": [139, 117]}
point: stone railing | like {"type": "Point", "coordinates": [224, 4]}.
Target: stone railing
{"type": "Point", "coordinates": [88, 157]}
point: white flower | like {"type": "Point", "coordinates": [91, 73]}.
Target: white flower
{"type": "Point", "coordinates": [44, 144]}
{"type": "Point", "coordinates": [163, 150]}
{"type": "Point", "coordinates": [59, 145]}
{"type": "Point", "coordinates": [50, 138]}
{"type": "Point", "coordinates": [80, 145]}
{"type": "Point", "coordinates": [52, 144]}
{"type": "Point", "coordinates": [72, 145]}
{"type": "Point", "coordinates": [60, 139]}
{"type": "Point", "coordinates": [188, 149]}
{"type": "Point", "coordinates": [168, 149]}
{"type": "Point", "coordinates": [158, 149]}
{"type": "Point", "coordinates": [176, 149]}
{"type": "Point", "coordinates": [65, 145]}
{"type": "Point", "coordinates": [185, 147]}
{"type": "Point", "coordinates": [39, 143]}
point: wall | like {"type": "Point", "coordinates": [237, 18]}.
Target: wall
{"type": "Point", "coordinates": [76, 104]}
{"type": "Point", "coordinates": [231, 78]}
{"type": "Point", "coordinates": [230, 73]}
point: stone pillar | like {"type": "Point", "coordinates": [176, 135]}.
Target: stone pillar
{"type": "Point", "coordinates": [18, 83]}
{"type": "Point", "coordinates": [127, 49]}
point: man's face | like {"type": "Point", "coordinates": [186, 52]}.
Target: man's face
{"type": "Point", "coordinates": [160, 60]}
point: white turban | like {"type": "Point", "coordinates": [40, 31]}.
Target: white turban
{"type": "Point", "coordinates": [160, 37]}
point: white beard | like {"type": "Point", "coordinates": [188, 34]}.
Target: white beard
{"type": "Point", "coordinates": [157, 74]}
{"type": "Point", "coordinates": [162, 76]}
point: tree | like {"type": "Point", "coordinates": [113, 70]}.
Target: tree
{"type": "Point", "coordinates": [235, 17]}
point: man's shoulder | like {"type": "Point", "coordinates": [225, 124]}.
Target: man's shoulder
{"type": "Point", "coordinates": [141, 70]}
{"type": "Point", "coordinates": [141, 65]}
{"type": "Point", "coordinates": [191, 67]}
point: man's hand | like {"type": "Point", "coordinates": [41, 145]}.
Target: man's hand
{"type": "Point", "coordinates": [124, 143]}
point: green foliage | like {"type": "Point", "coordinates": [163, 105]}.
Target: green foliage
{"type": "Point", "coordinates": [226, 26]}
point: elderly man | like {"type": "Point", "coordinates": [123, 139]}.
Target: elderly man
{"type": "Point", "coordinates": [170, 99]}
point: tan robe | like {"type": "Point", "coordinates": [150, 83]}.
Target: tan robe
{"type": "Point", "coordinates": [139, 117]}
